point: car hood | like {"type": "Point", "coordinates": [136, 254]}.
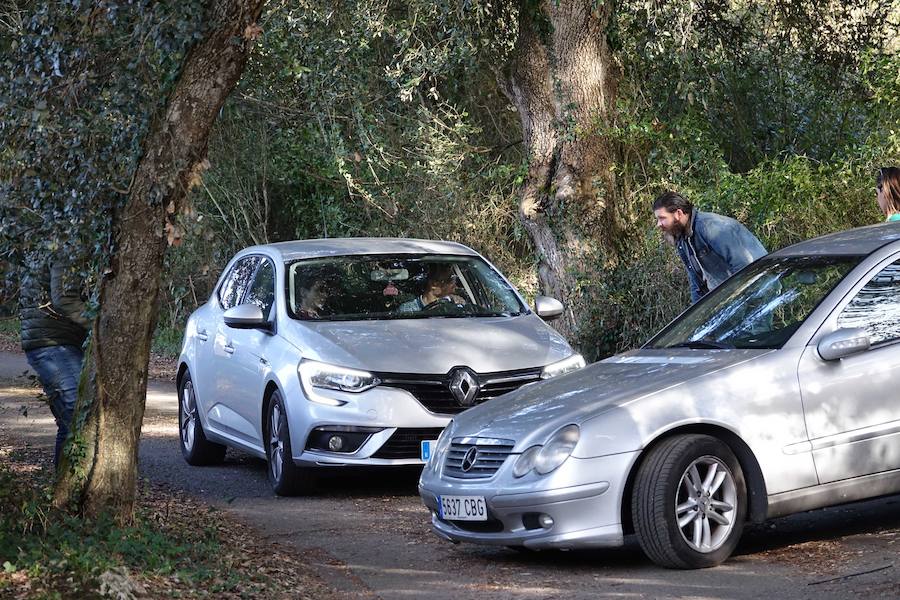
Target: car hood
{"type": "Point", "coordinates": [433, 345]}
{"type": "Point", "coordinates": [534, 411]}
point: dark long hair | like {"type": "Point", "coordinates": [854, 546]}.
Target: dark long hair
{"type": "Point", "coordinates": [888, 181]}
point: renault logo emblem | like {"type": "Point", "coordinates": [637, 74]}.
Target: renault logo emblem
{"type": "Point", "coordinates": [469, 459]}
{"type": "Point", "coordinates": [464, 386]}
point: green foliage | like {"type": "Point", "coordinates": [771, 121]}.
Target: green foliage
{"type": "Point", "coordinates": [631, 301]}
{"type": "Point", "coordinates": [79, 85]}
{"type": "Point", "coordinates": [67, 556]}
{"type": "Point", "coordinates": [392, 127]}
{"type": "Point", "coordinates": [396, 127]}
{"type": "Point", "coordinates": [9, 329]}
{"type": "Point", "coordinates": [767, 78]}
{"type": "Point", "coordinates": [752, 112]}
{"type": "Point", "coordinates": [167, 340]}
{"type": "Point", "coordinates": [385, 118]}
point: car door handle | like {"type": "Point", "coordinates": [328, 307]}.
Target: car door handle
{"type": "Point", "coordinates": [202, 335]}
{"type": "Point", "coordinates": [229, 349]}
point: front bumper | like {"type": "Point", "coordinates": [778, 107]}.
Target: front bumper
{"type": "Point", "coordinates": [392, 412]}
{"type": "Point", "coordinates": [584, 513]}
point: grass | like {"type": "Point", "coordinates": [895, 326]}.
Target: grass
{"type": "Point", "coordinates": [167, 341]}
{"type": "Point", "coordinates": [177, 548]}
{"type": "Point", "coordinates": [9, 328]}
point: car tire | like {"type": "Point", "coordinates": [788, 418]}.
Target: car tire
{"type": "Point", "coordinates": [689, 502]}
{"type": "Point", "coordinates": [287, 479]}
{"type": "Point", "coordinates": [195, 448]}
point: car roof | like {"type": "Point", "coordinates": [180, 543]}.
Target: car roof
{"type": "Point", "coordinates": [300, 249]}
{"type": "Point", "coordinates": [860, 241]}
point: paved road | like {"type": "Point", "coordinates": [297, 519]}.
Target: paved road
{"type": "Point", "coordinates": [367, 533]}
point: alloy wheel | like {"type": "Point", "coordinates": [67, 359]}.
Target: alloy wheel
{"type": "Point", "coordinates": [706, 503]}
{"type": "Point", "coordinates": [188, 416]}
{"type": "Point", "coordinates": [276, 445]}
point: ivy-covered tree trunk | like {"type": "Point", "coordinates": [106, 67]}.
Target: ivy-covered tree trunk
{"type": "Point", "coordinates": [111, 402]}
{"type": "Point", "coordinates": [562, 80]}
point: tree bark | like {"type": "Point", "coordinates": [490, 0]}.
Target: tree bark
{"type": "Point", "coordinates": [102, 476]}
{"type": "Point", "coordinates": [562, 79]}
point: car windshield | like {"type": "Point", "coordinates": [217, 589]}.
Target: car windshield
{"type": "Point", "coordinates": [349, 288]}
{"type": "Point", "coordinates": [760, 307]}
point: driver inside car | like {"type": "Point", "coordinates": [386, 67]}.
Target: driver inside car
{"type": "Point", "coordinates": [440, 286]}
{"type": "Point", "coordinates": [315, 294]}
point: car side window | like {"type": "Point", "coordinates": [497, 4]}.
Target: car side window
{"type": "Point", "coordinates": [876, 307]}
{"type": "Point", "coordinates": [262, 292]}
{"type": "Point", "coordinates": [237, 281]}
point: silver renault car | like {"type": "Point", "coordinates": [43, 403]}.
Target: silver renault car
{"type": "Point", "coordinates": [354, 352]}
{"type": "Point", "coordinates": [776, 393]}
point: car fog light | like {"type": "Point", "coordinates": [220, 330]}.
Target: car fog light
{"type": "Point", "coordinates": [545, 521]}
{"type": "Point", "coordinates": [335, 443]}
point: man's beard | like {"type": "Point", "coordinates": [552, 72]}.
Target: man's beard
{"type": "Point", "coordinates": [671, 236]}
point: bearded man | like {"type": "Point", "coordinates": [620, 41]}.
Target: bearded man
{"type": "Point", "coordinates": [712, 247]}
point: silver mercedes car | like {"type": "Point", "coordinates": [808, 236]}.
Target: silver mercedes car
{"type": "Point", "coordinates": [773, 394]}
{"type": "Point", "coordinates": [353, 352]}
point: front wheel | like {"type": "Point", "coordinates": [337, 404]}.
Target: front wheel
{"type": "Point", "coordinates": [195, 448]}
{"type": "Point", "coordinates": [287, 479]}
{"type": "Point", "coordinates": [689, 502]}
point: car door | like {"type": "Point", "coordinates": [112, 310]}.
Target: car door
{"type": "Point", "coordinates": [242, 376]}
{"type": "Point", "coordinates": [204, 338]}
{"type": "Point", "coordinates": [852, 405]}
{"type": "Point", "coordinates": [222, 413]}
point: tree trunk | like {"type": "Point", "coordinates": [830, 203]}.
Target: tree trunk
{"type": "Point", "coordinates": [562, 80]}
{"type": "Point", "coordinates": [113, 391]}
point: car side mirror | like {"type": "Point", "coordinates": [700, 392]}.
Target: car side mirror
{"type": "Point", "coordinates": [246, 316]}
{"type": "Point", "coordinates": [843, 342]}
{"type": "Point", "coordinates": [547, 308]}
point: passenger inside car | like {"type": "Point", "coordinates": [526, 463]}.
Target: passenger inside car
{"type": "Point", "coordinates": [440, 286]}
{"type": "Point", "coordinates": [313, 298]}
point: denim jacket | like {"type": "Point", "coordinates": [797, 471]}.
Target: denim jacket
{"type": "Point", "coordinates": [713, 248]}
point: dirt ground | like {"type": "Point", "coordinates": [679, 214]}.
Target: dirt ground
{"type": "Point", "coordinates": [367, 535]}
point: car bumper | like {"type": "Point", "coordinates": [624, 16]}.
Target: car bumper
{"type": "Point", "coordinates": [400, 420]}
{"type": "Point", "coordinates": [585, 514]}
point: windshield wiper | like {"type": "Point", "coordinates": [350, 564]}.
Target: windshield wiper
{"type": "Point", "coordinates": [703, 345]}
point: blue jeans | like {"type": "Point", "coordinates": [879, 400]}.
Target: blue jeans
{"type": "Point", "coordinates": [58, 368]}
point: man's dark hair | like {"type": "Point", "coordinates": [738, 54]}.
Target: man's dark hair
{"type": "Point", "coordinates": [672, 201]}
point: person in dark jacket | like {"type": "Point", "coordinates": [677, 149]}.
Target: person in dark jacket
{"type": "Point", "coordinates": [51, 312]}
{"type": "Point", "coordinates": [712, 247]}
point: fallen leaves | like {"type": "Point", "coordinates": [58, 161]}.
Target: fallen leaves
{"type": "Point", "coordinates": [242, 567]}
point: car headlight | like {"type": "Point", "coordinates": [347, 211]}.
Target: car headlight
{"type": "Point", "coordinates": [547, 458]}
{"type": "Point", "coordinates": [314, 374]}
{"type": "Point", "coordinates": [566, 365]}
{"type": "Point", "coordinates": [440, 447]}
{"type": "Point", "coordinates": [557, 450]}
{"type": "Point", "coordinates": [525, 462]}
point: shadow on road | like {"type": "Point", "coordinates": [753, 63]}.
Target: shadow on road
{"type": "Point", "coordinates": [867, 518]}
{"type": "Point", "coordinates": [242, 475]}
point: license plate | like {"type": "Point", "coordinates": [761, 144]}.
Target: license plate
{"type": "Point", "coordinates": [463, 508]}
{"type": "Point", "coordinates": [426, 448]}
